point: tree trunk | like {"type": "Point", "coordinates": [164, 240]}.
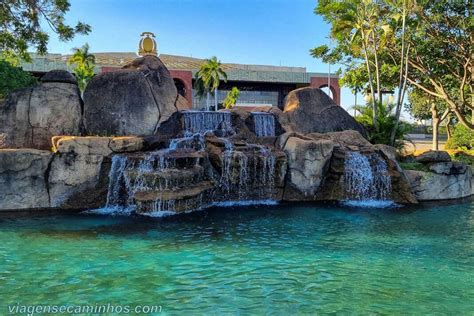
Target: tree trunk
{"type": "Point", "coordinates": [371, 83]}
{"type": "Point", "coordinates": [208, 101]}
{"type": "Point", "coordinates": [215, 99]}
{"type": "Point", "coordinates": [377, 70]}
{"type": "Point", "coordinates": [448, 128]}
{"type": "Point", "coordinates": [435, 122]}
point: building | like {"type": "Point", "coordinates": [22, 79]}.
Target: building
{"type": "Point", "coordinates": [259, 85]}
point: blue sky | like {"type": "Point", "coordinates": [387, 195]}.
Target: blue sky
{"type": "Point", "coordinates": [269, 32]}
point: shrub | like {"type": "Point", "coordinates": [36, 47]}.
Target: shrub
{"type": "Point", "coordinates": [385, 123]}
{"type": "Point", "coordinates": [13, 78]}
{"type": "Point", "coordinates": [462, 138]}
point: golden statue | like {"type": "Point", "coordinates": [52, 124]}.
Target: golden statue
{"type": "Point", "coordinates": [147, 44]}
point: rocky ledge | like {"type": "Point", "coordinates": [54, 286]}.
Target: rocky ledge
{"type": "Point", "coordinates": [441, 179]}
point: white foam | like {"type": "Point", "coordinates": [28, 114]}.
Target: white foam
{"type": "Point", "coordinates": [245, 203]}
{"type": "Point", "coordinates": [370, 203]}
{"type": "Point", "coordinates": [111, 210]}
{"type": "Point", "coordinates": [159, 214]}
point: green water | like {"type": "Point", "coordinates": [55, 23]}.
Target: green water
{"type": "Point", "coordinates": [251, 260]}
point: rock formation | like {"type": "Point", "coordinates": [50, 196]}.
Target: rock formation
{"type": "Point", "coordinates": [24, 178]}
{"type": "Point", "coordinates": [310, 110]}
{"type": "Point", "coordinates": [133, 101]}
{"type": "Point", "coordinates": [181, 161]}
{"type": "Point", "coordinates": [318, 169]}
{"type": "Point", "coordinates": [443, 179]}
{"type": "Point", "coordinates": [31, 116]}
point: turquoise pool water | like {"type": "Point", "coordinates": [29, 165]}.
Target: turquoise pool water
{"type": "Point", "coordinates": [301, 259]}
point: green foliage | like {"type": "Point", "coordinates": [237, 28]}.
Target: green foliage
{"type": "Point", "coordinates": [85, 64]}
{"type": "Point", "coordinates": [414, 166]}
{"type": "Point", "coordinates": [386, 120]}
{"type": "Point", "coordinates": [462, 138]}
{"type": "Point", "coordinates": [231, 98]}
{"type": "Point", "coordinates": [20, 25]}
{"type": "Point", "coordinates": [13, 78]}
{"type": "Point", "coordinates": [465, 156]}
{"type": "Point", "coordinates": [373, 39]}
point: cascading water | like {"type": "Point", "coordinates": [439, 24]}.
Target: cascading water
{"type": "Point", "coordinates": [176, 179]}
{"type": "Point", "coordinates": [367, 180]}
{"type": "Point", "coordinates": [203, 121]}
{"type": "Point", "coordinates": [248, 175]}
{"type": "Point", "coordinates": [264, 124]}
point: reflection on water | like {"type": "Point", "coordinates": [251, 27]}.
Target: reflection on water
{"type": "Point", "coordinates": [252, 259]}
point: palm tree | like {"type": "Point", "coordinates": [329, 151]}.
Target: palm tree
{"type": "Point", "coordinates": [85, 63]}
{"type": "Point", "coordinates": [208, 79]}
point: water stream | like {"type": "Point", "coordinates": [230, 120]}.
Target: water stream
{"type": "Point", "coordinates": [264, 124]}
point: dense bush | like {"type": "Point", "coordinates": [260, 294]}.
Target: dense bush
{"type": "Point", "coordinates": [385, 123]}
{"type": "Point", "coordinates": [462, 138]}
{"type": "Point", "coordinates": [13, 78]}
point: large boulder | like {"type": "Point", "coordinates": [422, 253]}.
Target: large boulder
{"type": "Point", "coordinates": [31, 116]}
{"type": "Point", "coordinates": [308, 161]}
{"type": "Point", "coordinates": [443, 183]}
{"type": "Point", "coordinates": [135, 100]}
{"type": "Point", "coordinates": [309, 110]}
{"type": "Point", "coordinates": [62, 76]}
{"type": "Point", "coordinates": [23, 178]}
{"type": "Point", "coordinates": [331, 182]}
{"type": "Point", "coordinates": [78, 175]}
{"type": "Point", "coordinates": [433, 156]}
{"type": "Point", "coordinates": [78, 181]}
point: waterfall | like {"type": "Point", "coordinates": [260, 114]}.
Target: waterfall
{"type": "Point", "coordinates": [195, 141]}
{"type": "Point", "coordinates": [203, 121]}
{"type": "Point", "coordinates": [366, 177]}
{"type": "Point", "coordinates": [264, 124]}
{"type": "Point", "coordinates": [248, 175]}
{"type": "Point", "coordinates": [116, 178]}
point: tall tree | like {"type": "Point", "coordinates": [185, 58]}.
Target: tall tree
{"type": "Point", "coordinates": [20, 25]}
{"type": "Point", "coordinates": [84, 63]}
{"type": "Point", "coordinates": [440, 61]}
{"type": "Point", "coordinates": [357, 28]}
{"type": "Point", "coordinates": [208, 79]}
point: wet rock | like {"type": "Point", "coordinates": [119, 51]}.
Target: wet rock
{"type": "Point", "coordinates": [310, 110]}
{"type": "Point", "coordinates": [23, 178]}
{"type": "Point", "coordinates": [133, 101]}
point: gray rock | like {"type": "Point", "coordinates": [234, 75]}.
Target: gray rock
{"type": "Point", "coordinates": [310, 110]}
{"type": "Point", "coordinates": [32, 116]}
{"type": "Point", "coordinates": [433, 156]}
{"type": "Point", "coordinates": [448, 168]}
{"type": "Point", "coordinates": [307, 162]}
{"type": "Point", "coordinates": [78, 181]}
{"type": "Point", "coordinates": [63, 76]}
{"type": "Point", "coordinates": [133, 101]}
{"type": "Point", "coordinates": [389, 151]}
{"type": "Point", "coordinates": [23, 183]}
{"type": "Point", "coordinates": [428, 186]}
